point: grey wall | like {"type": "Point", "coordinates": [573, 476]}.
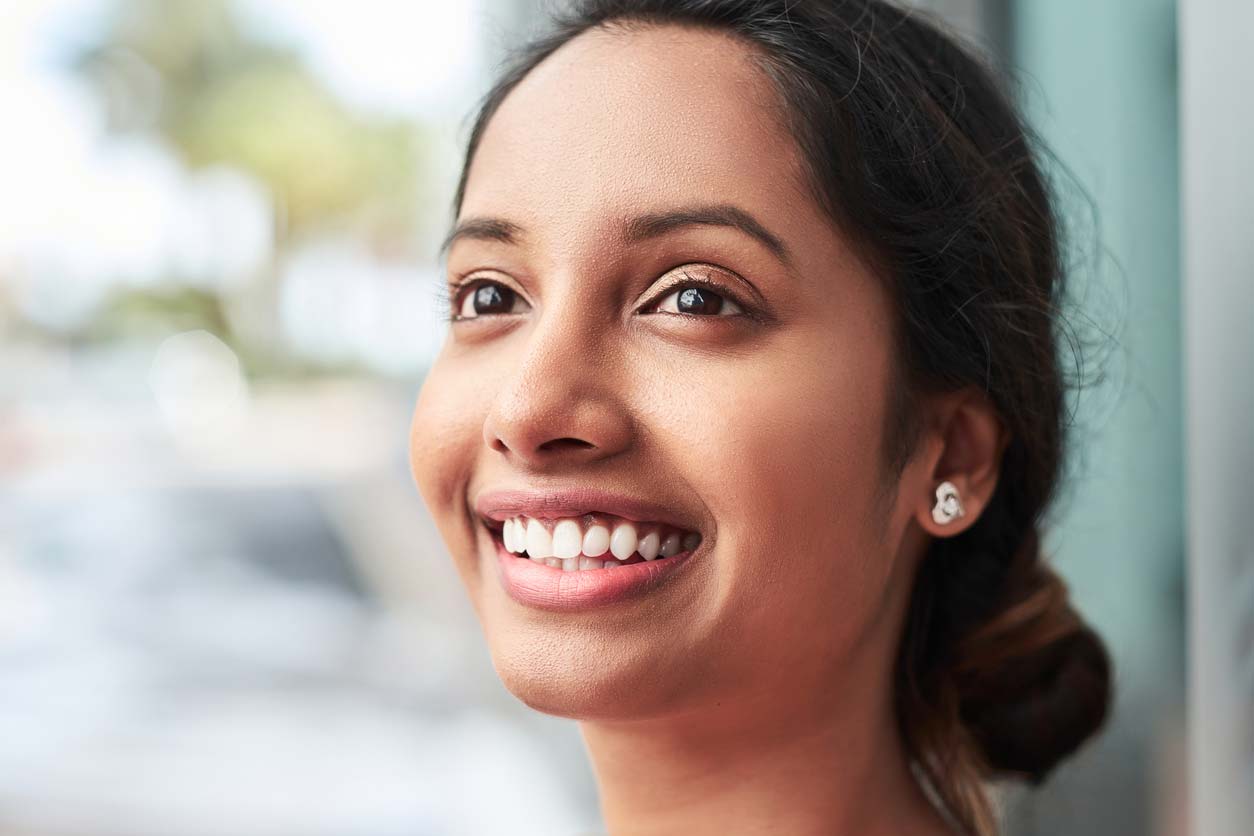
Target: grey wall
{"type": "Point", "coordinates": [1098, 81]}
{"type": "Point", "coordinates": [1217, 135]}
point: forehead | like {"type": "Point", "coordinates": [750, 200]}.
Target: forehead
{"type": "Point", "coordinates": [619, 120]}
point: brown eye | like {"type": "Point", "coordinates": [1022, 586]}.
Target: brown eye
{"type": "Point", "coordinates": [698, 301]}
{"type": "Point", "coordinates": [488, 298]}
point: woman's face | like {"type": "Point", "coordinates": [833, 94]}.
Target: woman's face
{"type": "Point", "coordinates": [627, 169]}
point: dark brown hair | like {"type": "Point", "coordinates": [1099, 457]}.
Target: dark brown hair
{"type": "Point", "coordinates": [915, 153]}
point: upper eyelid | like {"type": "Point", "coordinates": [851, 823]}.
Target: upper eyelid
{"type": "Point", "coordinates": [471, 276]}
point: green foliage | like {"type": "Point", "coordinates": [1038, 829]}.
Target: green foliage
{"type": "Point", "coordinates": [277, 124]}
{"type": "Point", "coordinates": [191, 74]}
{"type": "Point", "coordinates": [158, 312]}
{"type": "Point", "coordinates": [187, 70]}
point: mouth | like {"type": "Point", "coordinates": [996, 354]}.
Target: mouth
{"type": "Point", "coordinates": [589, 561]}
{"type": "Point", "coordinates": [595, 541]}
{"type": "Point", "coordinates": [573, 549]}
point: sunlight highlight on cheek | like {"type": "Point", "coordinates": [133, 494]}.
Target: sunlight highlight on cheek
{"type": "Point", "coordinates": [445, 434]}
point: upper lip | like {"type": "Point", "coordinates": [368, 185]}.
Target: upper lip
{"type": "Point", "coordinates": [554, 503]}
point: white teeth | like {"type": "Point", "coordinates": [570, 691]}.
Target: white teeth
{"type": "Point", "coordinates": [649, 545]}
{"type": "Point", "coordinates": [539, 541]}
{"type": "Point", "coordinates": [569, 548]}
{"type": "Point", "coordinates": [597, 541]}
{"type": "Point", "coordinates": [623, 542]}
{"type": "Point", "coordinates": [567, 539]}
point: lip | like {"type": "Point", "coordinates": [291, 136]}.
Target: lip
{"type": "Point", "coordinates": [501, 504]}
{"type": "Point", "coordinates": [544, 587]}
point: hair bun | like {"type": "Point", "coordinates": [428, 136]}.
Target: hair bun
{"type": "Point", "coordinates": [1033, 680]}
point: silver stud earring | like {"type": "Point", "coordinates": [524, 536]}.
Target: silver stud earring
{"type": "Point", "coordinates": [948, 505]}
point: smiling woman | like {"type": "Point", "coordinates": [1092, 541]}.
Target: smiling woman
{"type": "Point", "coordinates": [747, 413]}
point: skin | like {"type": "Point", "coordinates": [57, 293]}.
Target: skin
{"type": "Point", "coordinates": [755, 694]}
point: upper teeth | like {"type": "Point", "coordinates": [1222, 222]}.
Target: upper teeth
{"type": "Point", "coordinates": [571, 539]}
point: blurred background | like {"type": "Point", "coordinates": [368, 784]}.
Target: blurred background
{"type": "Point", "coordinates": [223, 607]}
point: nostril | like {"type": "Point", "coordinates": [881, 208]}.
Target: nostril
{"type": "Point", "coordinates": [567, 443]}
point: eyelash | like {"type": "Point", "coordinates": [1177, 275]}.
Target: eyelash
{"type": "Point", "coordinates": [453, 296]}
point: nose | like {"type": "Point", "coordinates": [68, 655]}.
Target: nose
{"type": "Point", "coordinates": [562, 403]}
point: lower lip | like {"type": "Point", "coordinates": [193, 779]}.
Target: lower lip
{"type": "Point", "coordinates": [538, 585]}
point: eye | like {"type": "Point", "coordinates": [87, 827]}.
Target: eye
{"type": "Point", "coordinates": [483, 297]}
{"type": "Point", "coordinates": [697, 299]}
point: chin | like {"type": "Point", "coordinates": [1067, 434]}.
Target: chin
{"type": "Point", "coordinates": [556, 686]}
{"type": "Point", "coordinates": [580, 675]}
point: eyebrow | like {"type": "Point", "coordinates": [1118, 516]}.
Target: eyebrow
{"type": "Point", "coordinates": [640, 228]}
{"type": "Point", "coordinates": [649, 226]}
{"type": "Point", "coordinates": [483, 229]}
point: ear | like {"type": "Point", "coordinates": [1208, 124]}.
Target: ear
{"type": "Point", "coordinates": [965, 444]}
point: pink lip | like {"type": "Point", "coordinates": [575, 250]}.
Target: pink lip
{"type": "Point", "coordinates": [537, 585]}
{"type": "Point", "coordinates": [573, 502]}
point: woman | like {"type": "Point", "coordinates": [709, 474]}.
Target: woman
{"type": "Point", "coordinates": [748, 410]}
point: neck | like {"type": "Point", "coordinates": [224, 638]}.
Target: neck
{"type": "Point", "coordinates": [829, 766]}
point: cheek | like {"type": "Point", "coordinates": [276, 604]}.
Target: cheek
{"type": "Point", "coordinates": [787, 458]}
{"type": "Point", "coordinates": [444, 438]}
